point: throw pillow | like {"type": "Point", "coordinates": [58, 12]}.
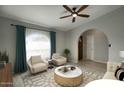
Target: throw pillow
{"type": "Point", "coordinates": [119, 74]}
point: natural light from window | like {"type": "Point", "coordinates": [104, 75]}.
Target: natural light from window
{"type": "Point", "coordinates": [37, 43]}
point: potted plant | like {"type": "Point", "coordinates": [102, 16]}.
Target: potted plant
{"type": "Point", "coordinates": [4, 57]}
{"type": "Point", "coordinates": [67, 53]}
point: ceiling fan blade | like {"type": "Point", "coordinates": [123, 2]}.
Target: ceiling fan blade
{"type": "Point", "coordinates": [83, 15]}
{"type": "Point", "coordinates": [73, 20]}
{"type": "Point", "coordinates": [67, 8]}
{"type": "Point", "coordinates": [65, 16]}
{"type": "Point", "coordinates": [82, 8]}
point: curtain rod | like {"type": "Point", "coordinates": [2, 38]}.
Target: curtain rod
{"type": "Point", "coordinates": [32, 28]}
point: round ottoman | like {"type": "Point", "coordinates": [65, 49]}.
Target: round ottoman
{"type": "Point", "coordinates": [69, 78]}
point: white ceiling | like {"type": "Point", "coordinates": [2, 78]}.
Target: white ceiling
{"type": "Point", "coordinates": [48, 15]}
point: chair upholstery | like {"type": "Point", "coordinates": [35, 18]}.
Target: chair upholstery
{"type": "Point", "coordinates": [111, 68]}
{"type": "Point", "coordinates": [36, 64]}
{"type": "Point", "coordinates": [58, 60]}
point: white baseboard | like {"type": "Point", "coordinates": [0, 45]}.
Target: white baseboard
{"type": "Point", "coordinates": [100, 61]}
{"type": "Point", "coordinates": [96, 60]}
{"type": "Point", "coordinates": [74, 61]}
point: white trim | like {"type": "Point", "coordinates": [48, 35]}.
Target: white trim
{"type": "Point", "coordinates": [100, 61]}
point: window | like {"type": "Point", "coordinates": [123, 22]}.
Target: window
{"type": "Point", "coordinates": [37, 43]}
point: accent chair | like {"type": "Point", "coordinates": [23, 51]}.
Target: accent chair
{"type": "Point", "coordinates": [36, 64]}
{"type": "Point", "coordinates": [58, 59]}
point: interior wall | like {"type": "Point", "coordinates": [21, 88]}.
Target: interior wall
{"type": "Point", "coordinates": [95, 46]}
{"type": "Point", "coordinates": [101, 47]}
{"type": "Point", "coordinates": [60, 45]}
{"type": "Point", "coordinates": [8, 37]}
{"type": "Point", "coordinates": [111, 24]}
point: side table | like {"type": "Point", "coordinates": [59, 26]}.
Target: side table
{"type": "Point", "coordinates": [51, 64]}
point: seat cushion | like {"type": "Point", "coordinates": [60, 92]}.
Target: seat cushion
{"type": "Point", "coordinates": [39, 67]}
{"type": "Point", "coordinates": [60, 61]}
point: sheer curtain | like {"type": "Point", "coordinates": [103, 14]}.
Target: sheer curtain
{"type": "Point", "coordinates": [37, 43]}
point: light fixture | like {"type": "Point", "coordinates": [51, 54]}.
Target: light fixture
{"type": "Point", "coordinates": [74, 15]}
{"type": "Point", "coordinates": [122, 54]}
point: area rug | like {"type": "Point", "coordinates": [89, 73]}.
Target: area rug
{"type": "Point", "coordinates": [46, 79]}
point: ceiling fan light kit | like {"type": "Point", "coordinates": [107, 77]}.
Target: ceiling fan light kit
{"type": "Point", "coordinates": [75, 13]}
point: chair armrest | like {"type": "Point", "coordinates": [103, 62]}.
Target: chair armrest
{"type": "Point", "coordinates": [30, 67]}
{"type": "Point", "coordinates": [61, 57]}
{"type": "Point", "coordinates": [64, 58]}
{"type": "Point", "coordinates": [45, 61]}
{"type": "Point", "coordinates": [29, 63]}
{"type": "Point", "coordinates": [53, 58]}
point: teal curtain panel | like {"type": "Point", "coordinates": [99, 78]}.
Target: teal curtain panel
{"type": "Point", "coordinates": [20, 64]}
{"type": "Point", "coordinates": [53, 42]}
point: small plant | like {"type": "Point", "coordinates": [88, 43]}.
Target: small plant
{"type": "Point", "coordinates": [4, 56]}
{"type": "Point", "coordinates": [66, 53]}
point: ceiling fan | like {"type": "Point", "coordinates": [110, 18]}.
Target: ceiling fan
{"type": "Point", "coordinates": [75, 13]}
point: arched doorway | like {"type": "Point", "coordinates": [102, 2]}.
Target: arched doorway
{"type": "Point", "coordinates": [93, 45]}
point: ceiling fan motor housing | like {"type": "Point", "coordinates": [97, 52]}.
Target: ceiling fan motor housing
{"type": "Point", "coordinates": [74, 8]}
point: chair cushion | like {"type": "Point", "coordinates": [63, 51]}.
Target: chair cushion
{"type": "Point", "coordinates": [39, 67]}
{"type": "Point", "coordinates": [36, 59]}
{"type": "Point", "coordinates": [59, 61]}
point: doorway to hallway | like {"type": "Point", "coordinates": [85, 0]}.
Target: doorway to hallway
{"type": "Point", "coordinates": [93, 45]}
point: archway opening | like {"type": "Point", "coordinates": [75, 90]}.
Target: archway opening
{"type": "Point", "coordinates": [93, 45]}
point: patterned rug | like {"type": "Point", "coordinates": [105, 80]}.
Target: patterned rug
{"type": "Point", "coordinates": [46, 79]}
